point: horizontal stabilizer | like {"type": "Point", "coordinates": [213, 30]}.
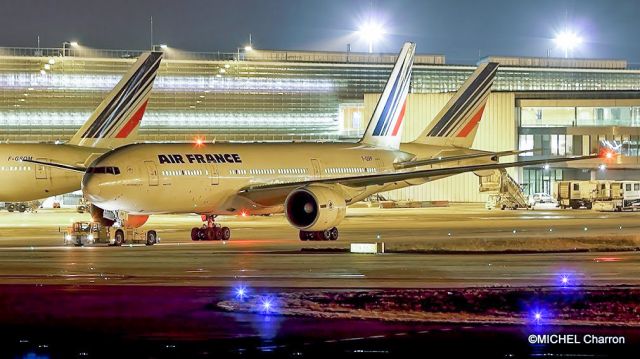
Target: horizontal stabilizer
{"type": "Point", "coordinates": [440, 159]}
{"type": "Point", "coordinates": [59, 165]}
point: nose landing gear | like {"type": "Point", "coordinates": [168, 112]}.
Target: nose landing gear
{"type": "Point", "coordinates": [210, 231]}
{"type": "Point", "coordinates": [330, 234]}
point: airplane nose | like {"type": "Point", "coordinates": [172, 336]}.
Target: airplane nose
{"type": "Point", "coordinates": [91, 188]}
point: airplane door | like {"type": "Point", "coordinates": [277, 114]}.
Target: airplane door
{"type": "Point", "coordinates": [41, 170]}
{"type": "Point", "coordinates": [153, 173]}
{"type": "Point", "coordinates": [215, 177]}
{"type": "Point", "coordinates": [316, 167]}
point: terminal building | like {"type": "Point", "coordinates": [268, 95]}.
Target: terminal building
{"type": "Point", "coordinates": [560, 107]}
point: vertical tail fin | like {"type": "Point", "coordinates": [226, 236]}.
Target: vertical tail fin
{"type": "Point", "coordinates": [115, 121]}
{"type": "Point", "coordinates": [457, 123]}
{"type": "Point", "coordinates": [385, 127]}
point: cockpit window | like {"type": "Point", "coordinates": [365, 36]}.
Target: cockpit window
{"type": "Point", "coordinates": [105, 170]}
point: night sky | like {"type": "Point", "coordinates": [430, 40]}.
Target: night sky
{"type": "Point", "coordinates": [460, 29]}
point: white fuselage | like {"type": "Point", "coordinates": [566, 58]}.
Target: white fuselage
{"type": "Point", "coordinates": [23, 181]}
{"type": "Point", "coordinates": [183, 178]}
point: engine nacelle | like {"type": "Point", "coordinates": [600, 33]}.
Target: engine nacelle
{"type": "Point", "coordinates": [135, 220]}
{"type": "Point", "coordinates": [109, 218]}
{"type": "Point", "coordinates": [314, 208]}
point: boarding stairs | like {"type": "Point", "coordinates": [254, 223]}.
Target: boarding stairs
{"type": "Point", "coordinates": [509, 193]}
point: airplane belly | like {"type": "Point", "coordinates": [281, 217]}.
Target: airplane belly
{"type": "Point", "coordinates": [147, 199]}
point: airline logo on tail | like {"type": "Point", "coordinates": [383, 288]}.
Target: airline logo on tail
{"type": "Point", "coordinates": [385, 127]}
{"type": "Point", "coordinates": [119, 115]}
{"type": "Point", "coordinates": [460, 118]}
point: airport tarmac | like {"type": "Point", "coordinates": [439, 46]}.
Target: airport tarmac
{"type": "Point", "coordinates": [159, 301]}
{"type": "Point", "coordinates": [265, 251]}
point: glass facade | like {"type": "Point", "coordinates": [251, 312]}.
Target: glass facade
{"type": "Point", "coordinates": [231, 97]}
{"type": "Point", "coordinates": [580, 116]}
{"type": "Point", "coordinates": [576, 131]}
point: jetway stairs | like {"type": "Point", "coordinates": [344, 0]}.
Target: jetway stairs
{"type": "Point", "coordinates": [507, 193]}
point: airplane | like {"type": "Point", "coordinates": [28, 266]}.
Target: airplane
{"type": "Point", "coordinates": [312, 183]}
{"type": "Point", "coordinates": [112, 124]}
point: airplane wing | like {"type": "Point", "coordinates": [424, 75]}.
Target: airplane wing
{"type": "Point", "coordinates": [438, 160]}
{"type": "Point", "coordinates": [278, 191]}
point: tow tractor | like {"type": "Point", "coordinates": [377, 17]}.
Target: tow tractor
{"type": "Point", "coordinates": [83, 233]}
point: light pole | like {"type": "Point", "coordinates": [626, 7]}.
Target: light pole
{"type": "Point", "coordinates": [245, 49]}
{"type": "Point", "coordinates": [160, 47]}
{"type": "Point", "coordinates": [371, 32]}
{"type": "Point", "coordinates": [68, 45]}
{"type": "Point", "coordinates": [567, 41]}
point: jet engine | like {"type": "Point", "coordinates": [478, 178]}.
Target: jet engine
{"type": "Point", "coordinates": [314, 208]}
{"type": "Point", "coordinates": [135, 220]}
{"type": "Point", "coordinates": [109, 218]}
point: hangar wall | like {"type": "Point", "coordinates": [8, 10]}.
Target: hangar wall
{"type": "Point", "coordinates": [498, 131]}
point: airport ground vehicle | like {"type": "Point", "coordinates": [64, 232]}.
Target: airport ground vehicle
{"type": "Point", "coordinates": [617, 196]}
{"type": "Point", "coordinates": [82, 206]}
{"type": "Point", "coordinates": [502, 201]}
{"type": "Point", "coordinates": [83, 233]}
{"type": "Point", "coordinates": [542, 201]}
{"type": "Point", "coordinates": [16, 206]}
{"type": "Point", "coordinates": [575, 194]}
{"type": "Point", "coordinates": [506, 192]}
{"type": "Point", "coordinates": [21, 206]}
{"type": "Point", "coordinates": [540, 198]}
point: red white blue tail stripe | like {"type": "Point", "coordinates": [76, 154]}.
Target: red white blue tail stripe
{"type": "Point", "coordinates": [120, 113]}
{"type": "Point", "coordinates": [463, 113]}
{"type": "Point", "coordinates": [384, 129]}
{"type": "Point", "coordinates": [457, 123]}
{"type": "Point", "coordinates": [124, 105]}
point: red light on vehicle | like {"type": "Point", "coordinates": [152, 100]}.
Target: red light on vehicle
{"type": "Point", "coordinates": [244, 213]}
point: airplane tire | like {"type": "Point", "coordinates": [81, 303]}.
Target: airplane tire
{"type": "Point", "coordinates": [334, 234]}
{"type": "Point", "coordinates": [118, 239]}
{"type": "Point", "coordinates": [22, 208]}
{"type": "Point", "coordinates": [194, 234]}
{"type": "Point", "coordinates": [225, 233]}
{"type": "Point", "coordinates": [152, 238]}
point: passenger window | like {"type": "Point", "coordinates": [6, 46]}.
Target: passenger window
{"type": "Point", "coordinates": [636, 186]}
{"type": "Point", "coordinates": [576, 187]}
{"type": "Point", "coordinates": [627, 187]}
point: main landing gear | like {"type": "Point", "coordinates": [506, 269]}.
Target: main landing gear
{"type": "Point", "coordinates": [210, 231]}
{"type": "Point", "coordinates": [330, 234]}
